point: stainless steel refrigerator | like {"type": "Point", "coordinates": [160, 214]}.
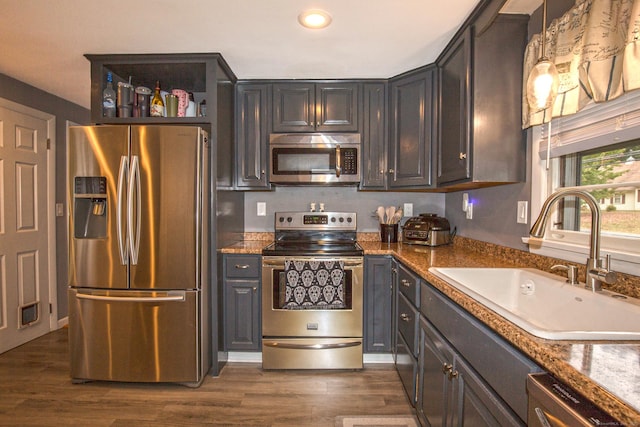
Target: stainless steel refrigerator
{"type": "Point", "coordinates": [138, 251]}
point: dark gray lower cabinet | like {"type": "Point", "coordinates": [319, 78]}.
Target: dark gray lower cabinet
{"type": "Point", "coordinates": [451, 392]}
{"type": "Point", "coordinates": [378, 303]}
{"type": "Point", "coordinates": [455, 370]}
{"type": "Point", "coordinates": [241, 292]}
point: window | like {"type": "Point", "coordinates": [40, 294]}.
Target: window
{"type": "Point", "coordinates": [597, 150]}
{"type": "Point", "coordinates": [612, 171]}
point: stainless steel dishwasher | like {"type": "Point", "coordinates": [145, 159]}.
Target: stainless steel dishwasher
{"type": "Point", "coordinates": [554, 404]}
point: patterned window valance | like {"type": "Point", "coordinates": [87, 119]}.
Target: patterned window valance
{"type": "Point", "coordinates": [596, 48]}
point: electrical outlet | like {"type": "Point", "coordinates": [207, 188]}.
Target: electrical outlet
{"type": "Point", "coordinates": [59, 209]}
{"type": "Point", "coordinates": [407, 209]}
{"type": "Point", "coordinates": [469, 210]}
{"type": "Point", "coordinates": [523, 207]}
{"type": "Point", "coordinates": [262, 209]}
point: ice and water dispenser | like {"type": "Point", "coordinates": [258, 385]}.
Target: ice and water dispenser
{"type": "Point", "coordinates": [90, 207]}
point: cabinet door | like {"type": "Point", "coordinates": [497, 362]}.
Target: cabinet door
{"type": "Point", "coordinates": [407, 367]}
{"type": "Point", "coordinates": [337, 107]}
{"type": "Point", "coordinates": [294, 107]}
{"type": "Point", "coordinates": [374, 137]}
{"type": "Point", "coordinates": [411, 131]}
{"type": "Point", "coordinates": [475, 404]}
{"type": "Point", "coordinates": [251, 136]}
{"type": "Point", "coordinates": [436, 360]}
{"type": "Point", "coordinates": [378, 299]}
{"type": "Point", "coordinates": [454, 140]}
{"type": "Point", "coordinates": [242, 315]}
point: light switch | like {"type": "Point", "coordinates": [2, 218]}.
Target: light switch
{"type": "Point", "coordinates": [523, 207]}
{"type": "Point", "coordinates": [59, 209]}
{"type": "Point", "coordinates": [465, 201]}
{"type": "Point", "coordinates": [469, 210]}
{"type": "Point", "coordinates": [407, 209]}
{"type": "Point", "coordinates": [262, 209]}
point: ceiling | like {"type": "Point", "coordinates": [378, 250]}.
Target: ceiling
{"type": "Point", "coordinates": [43, 41]}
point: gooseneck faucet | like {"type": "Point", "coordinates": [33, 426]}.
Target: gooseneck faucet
{"type": "Point", "coordinates": [597, 273]}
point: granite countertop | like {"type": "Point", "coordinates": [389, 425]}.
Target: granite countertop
{"type": "Point", "coordinates": [606, 372]}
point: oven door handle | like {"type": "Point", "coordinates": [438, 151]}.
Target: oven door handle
{"type": "Point", "coordinates": [338, 161]}
{"type": "Point", "coordinates": [313, 346]}
{"type": "Point", "coordinates": [280, 262]}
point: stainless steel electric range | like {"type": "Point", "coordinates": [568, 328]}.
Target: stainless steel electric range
{"type": "Point", "coordinates": [312, 286]}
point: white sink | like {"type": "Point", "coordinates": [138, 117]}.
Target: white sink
{"type": "Point", "coordinates": [545, 305]}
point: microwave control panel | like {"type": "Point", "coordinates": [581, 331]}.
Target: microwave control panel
{"type": "Point", "coordinates": [350, 161]}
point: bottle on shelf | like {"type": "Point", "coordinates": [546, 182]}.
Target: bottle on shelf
{"type": "Point", "coordinates": [109, 98]}
{"type": "Point", "coordinates": [157, 104]}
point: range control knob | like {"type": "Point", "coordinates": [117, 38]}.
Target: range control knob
{"type": "Point", "coordinates": [341, 219]}
{"type": "Point", "coordinates": [333, 219]}
{"type": "Point", "coordinates": [289, 219]}
{"type": "Point", "coordinates": [281, 219]}
{"type": "Point", "coordinates": [349, 219]}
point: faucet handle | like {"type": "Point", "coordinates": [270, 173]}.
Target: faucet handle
{"type": "Point", "coordinates": [572, 272]}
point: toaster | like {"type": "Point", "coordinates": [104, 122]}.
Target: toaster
{"type": "Point", "coordinates": [427, 229]}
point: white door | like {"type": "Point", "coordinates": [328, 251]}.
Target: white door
{"type": "Point", "coordinates": [24, 226]}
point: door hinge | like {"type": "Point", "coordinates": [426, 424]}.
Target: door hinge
{"type": "Point", "coordinates": [48, 143]}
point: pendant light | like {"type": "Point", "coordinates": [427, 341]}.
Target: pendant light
{"type": "Point", "coordinates": [543, 81]}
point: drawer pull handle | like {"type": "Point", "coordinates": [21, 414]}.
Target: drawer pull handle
{"type": "Point", "coordinates": [453, 374]}
{"type": "Point", "coordinates": [405, 283]}
{"type": "Point", "coordinates": [447, 368]}
{"type": "Point", "coordinates": [242, 266]}
{"type": "Point", "coordinates": [405, 317]}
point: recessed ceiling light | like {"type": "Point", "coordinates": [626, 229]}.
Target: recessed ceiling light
{"type": "Point", "coordinates": [314, 19]}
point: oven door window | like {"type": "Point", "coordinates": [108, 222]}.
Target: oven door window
{"type": "Point", "coordinates": [303, 161]}
{"type": "Point", "coordinates": [279, 291]}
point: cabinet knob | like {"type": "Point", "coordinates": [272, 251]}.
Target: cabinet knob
{"type": "Point", "coordinates": [242, 266]}
{"type": "Point", "coordinates": [262, 172]}
{"type": "Point", "coordinates": [453, 374]}
{"type": "Point", "coordinates": [405, 283]}
{"type": "Point", "coordinates": [447, 368]}
{"type": "Point", "coordinates": [381, 171]}
{"type": "Point", "coordinates": [405, 317]}
{"type": "Point", "coordinates": [255, 289]}
{"type": "Point", "coordinates": [391, 171]}
{"type": "Point", "coordinates": [463, 156]}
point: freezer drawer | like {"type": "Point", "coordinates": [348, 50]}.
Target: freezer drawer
{"type": "Point", "coordinates": [135, 336]}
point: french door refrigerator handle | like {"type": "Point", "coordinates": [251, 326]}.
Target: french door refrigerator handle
{"type": "Point", "coordinates": [134, 186]}
{"type": "Point", "coordinates": [123, 172]}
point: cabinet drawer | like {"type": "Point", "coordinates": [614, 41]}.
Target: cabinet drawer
{"type": "Point", "coordinates": [243, 266]}
{"type": "Point", "coordinates": [407, 321]}
{"type": "Point", "coordinates": [409, 285]}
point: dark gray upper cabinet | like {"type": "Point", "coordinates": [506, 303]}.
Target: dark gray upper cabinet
{"type": "Point", "coordinates": [455, 104]}
{"type": "Point", "coordinates": [315, 107]}
{"type": "Point", "coordinates": [252, 107]}
{"type": "Point", "coordinates": [374, 136]}
{"type": "Point", "coordinates": [480, 139]}
{"type": "Point", "coordinates": [412, 129]}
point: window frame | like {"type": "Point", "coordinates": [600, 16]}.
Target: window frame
{"type": "Point", "coordinates": [596, 126]}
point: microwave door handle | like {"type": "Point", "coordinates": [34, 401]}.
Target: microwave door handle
{"type": "Point", "coordinates": [338, 162]}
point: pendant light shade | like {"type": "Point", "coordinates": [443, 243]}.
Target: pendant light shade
{"type": "Point", "coordinates": [542, 85]}
{"type": "Point", "coordinates": [543, 81]}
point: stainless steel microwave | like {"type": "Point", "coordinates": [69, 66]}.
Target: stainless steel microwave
{"type": "Point", "coordinates": [314, 158]}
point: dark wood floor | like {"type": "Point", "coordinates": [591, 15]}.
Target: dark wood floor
{"type": "Point", "coordinates": [35, 390]}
